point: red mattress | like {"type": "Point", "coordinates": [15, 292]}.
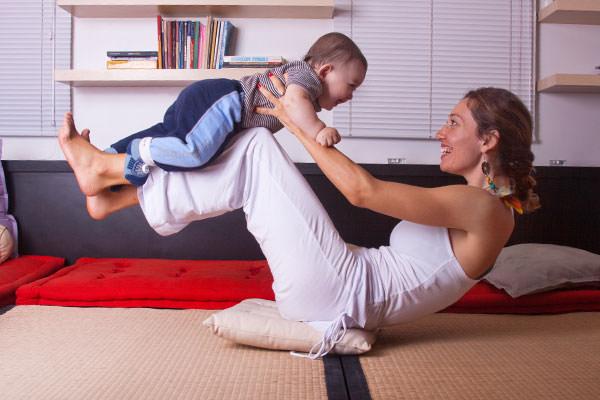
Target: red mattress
{"type": "Point", "coordinates": [24, 269]}
{"type": "Point", "coordinates": [159, 283]}
{"type": "Point", "coordinates": [485, 298]}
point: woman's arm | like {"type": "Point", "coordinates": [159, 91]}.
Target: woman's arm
{"type": "Point", "coordinates": [301, 110]}
{"type": "Point", "coordinates": [450, 206]}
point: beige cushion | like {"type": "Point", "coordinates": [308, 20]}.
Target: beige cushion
{"type": "Point", "coordinates": [257, 322]}
{"type": "Point", "coordinates": [7, 243]}
{"type": "Point", "coordinates": [533, 267]}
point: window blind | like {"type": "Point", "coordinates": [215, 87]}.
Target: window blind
{"type": "Point", "coordinates": [425, 55]}
{"type": "Point", "coordinates": [35, 38]}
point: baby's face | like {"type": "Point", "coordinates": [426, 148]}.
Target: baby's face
{"type": "Point", "coordinates": [340, 82]}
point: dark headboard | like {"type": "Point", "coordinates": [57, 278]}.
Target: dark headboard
{"type": "Point", "coordinates": [50, 210]}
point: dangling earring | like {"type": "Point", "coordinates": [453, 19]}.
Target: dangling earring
{"type": "Point", "coordinates": [503, 192]}
{"type": "Point", "coordinates": [490, 185]}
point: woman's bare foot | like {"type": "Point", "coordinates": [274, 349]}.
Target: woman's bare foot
{"type": "Point", "coordinates": [107, 202]}
{"type": "Point", "coordinates": [93, 169]}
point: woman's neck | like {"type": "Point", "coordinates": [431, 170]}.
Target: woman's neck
{"type": "Point", "coordinates": [480, 180]}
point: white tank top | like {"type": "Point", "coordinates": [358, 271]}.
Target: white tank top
{"type": "Point", "coordinates": [418, 274]}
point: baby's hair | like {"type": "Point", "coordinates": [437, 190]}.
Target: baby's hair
{"type": "Point", "coordinates": [333, 48]}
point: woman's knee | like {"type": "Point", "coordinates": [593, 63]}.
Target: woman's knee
{"type": "Point", "coordinates": [263, 142]}
{"type": "Point", "coordinates": [263, 135]}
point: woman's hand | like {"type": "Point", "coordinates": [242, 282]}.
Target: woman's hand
{"type": "Point", "coordinates": [279, 106]}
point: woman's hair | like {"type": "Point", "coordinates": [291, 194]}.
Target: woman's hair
{"type": "Point", "coordinates": [500, 110]}
{"type": "Point", "coordinates": [332, 48]}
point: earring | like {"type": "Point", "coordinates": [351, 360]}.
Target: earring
{"type": "Point", "coordinates": [490, 185]}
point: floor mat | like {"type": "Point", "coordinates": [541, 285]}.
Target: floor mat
{"type": "Point", "coordinates": [111, 353]}
{"type": "Point", "coordinates": [459, 356]}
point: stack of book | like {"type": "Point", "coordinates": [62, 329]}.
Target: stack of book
{"type": "Point", "coordinates": [132, 59]}
{"type": "Point", "coordinates": [192, 44]}
{"type": "Point", "coordinates": [252, 61]}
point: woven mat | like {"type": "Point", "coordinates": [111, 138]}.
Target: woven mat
{"type": "Point", "coordinates": [111, 353]}
{"type": "Point", "coordinates": [447, 356]}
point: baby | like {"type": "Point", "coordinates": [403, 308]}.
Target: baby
{"type": "Point", "coordinates": [206, 114]}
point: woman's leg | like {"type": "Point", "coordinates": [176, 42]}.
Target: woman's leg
{"type": "Point", "coordinates": [94, 169]}
{"type": "Point", "coordinates": [316, 276]}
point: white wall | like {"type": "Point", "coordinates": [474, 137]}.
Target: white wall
{"type": "Point", "coordinates": [568, 123]}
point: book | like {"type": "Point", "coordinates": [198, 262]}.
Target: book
{"type": "Point", "coordinates": [202, 46]}
{"type": "Point", "coordinates": [196, 42]}
{"type": "Point", "coordinates": [253, 59]}
{"type": "Point", "coordinates": [206, 42]}
{"type": "Point", "coordinates": [159, 24]}
{"type": "Point", "coordinates": [133, 58]}
{"type": "Point", "coordinates": [131, 54]}
{"type": "Point", "coordinates": [252, 65]}
{"type": "Point", "coordinates": [131, 64]}
{"type": "Point", "coordinates": [225, 42]}
{"type": "Point", "coordinates": [192, 44]}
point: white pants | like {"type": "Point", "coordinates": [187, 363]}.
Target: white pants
{"type": "Point", "coordinates": [316, 276]}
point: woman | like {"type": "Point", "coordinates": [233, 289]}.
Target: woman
{"type": "Point", "coordinates": [449, 237]}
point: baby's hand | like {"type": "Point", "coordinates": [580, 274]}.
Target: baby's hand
{"type": "Point", "coordinates": [327, 137]}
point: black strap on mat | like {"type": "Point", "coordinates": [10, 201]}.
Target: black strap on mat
{"type": "Point", "coordinates": [345, 379]}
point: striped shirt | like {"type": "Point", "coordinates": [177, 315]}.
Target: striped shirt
{"type": "Point", "coordinates": [299, 73]}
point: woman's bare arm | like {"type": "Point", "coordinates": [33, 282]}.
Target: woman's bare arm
{"type": "Point", "coordinates": [457, 206]}
{"type": "Point", "coordinates": [302, 111]}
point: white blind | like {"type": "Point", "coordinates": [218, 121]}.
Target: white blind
{"type": "Point", "coordinates": [425, 55]}
{"type": "Point", "coordinates": [35, 38]}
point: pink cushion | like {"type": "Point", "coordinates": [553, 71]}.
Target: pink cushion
{"type": "Point", "coordinates": [159, 283]}
{"type": "Point", "coordinates": [486, 299]}
{"type": "Point", "coordinates": [21, 270]}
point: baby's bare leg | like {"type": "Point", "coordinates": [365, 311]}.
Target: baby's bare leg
{"type": "Point", "coordinates": [107, 202]}
{"type": "Point", "coordinates": [94, 169]}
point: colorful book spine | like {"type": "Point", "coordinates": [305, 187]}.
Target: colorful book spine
{"type": "Point", "coordinates": [196, 43]}
{"type": "Point", "coordinates": [131, 64]}
{"type": "Point", "coordinates": [225, 41]}
{"type": "Point", "coordinates": [253, 59]}
{"type": "Point", "coordinates": [132, 54]}
{"type": "Point", "coordinates": [192, 44]}
{"type": "Point", "coordinates": [159, 63]}
{"type": "Point", "coordinates": [132, 59]}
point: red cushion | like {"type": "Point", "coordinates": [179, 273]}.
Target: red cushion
{"type": "Point", "coordinates": [114, 282]}
{"type": "Point", "coordinates": [21, 270]}
{"type": "Point", "coordinates": [486, 299]}
{"type": "Point", "coordinates": [159, 283]}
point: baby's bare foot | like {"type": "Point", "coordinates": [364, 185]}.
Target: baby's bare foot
{"type": "Point", "coordinates": [81, 155]}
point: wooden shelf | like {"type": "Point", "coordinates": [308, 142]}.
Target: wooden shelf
{"type": "Point", "coordinates": [574, 83]}
{"type": "Point", "coordinates": [315, 9]}
{"type": "Point", "coordinates": [147, 77]}
{"type": "Point", "coordinates": [584, 12]}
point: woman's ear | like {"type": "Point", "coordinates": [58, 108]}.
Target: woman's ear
{"type": "Point", "coordinates": [324, 69]}
{"type": "Point", "coordinates": [490, 140]}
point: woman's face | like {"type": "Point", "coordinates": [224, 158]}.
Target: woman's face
{"type": "Point", "coordinates": [461, 152]}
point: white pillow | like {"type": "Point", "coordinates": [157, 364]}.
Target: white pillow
{"type": "Point", "coordinates": [529, 268]}
{"type": "Point", "coordinates": [7, 243]}
{"type": "Point", "coordinates": [257, 322]}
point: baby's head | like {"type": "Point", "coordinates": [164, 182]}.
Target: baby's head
{"type": "Point", "coordinates": [340, 65]}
